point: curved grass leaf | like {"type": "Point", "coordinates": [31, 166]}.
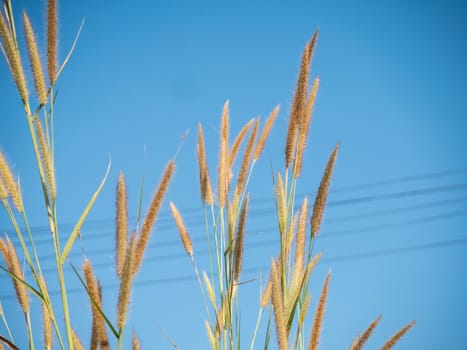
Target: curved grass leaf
{"type": "Point", "coordinates": [79, 224]}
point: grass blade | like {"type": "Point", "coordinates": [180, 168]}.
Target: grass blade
{"type": "Point", "coordinates": [79, 224]}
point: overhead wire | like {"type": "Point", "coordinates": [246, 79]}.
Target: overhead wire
{"type": "Point", "coordinates": [257, 269]}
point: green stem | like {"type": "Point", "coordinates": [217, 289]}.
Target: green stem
{"type": "Point", "coordinates": [30, 336]}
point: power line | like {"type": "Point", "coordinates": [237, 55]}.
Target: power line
{"type": "Point", "coordinates": [367, 215]}
{"type": "Point", "coordinates": [339, 258]}
{"type": "Point", "coordinates": [268, 242]}
{"type": "Point", "coordinates": [331, 203]}
{"type": "Point", "coordinates": [403, 179]}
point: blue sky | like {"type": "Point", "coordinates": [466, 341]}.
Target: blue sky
{"type": "Point", "coordinates": [393, 86]}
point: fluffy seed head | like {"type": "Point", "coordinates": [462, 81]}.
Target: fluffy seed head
{"type": "Point", "coordinates": [77, 344]}
{"type": "Point", "coordinates": [298, 103]}
{"type": "Point", "coordinates": [320, 201]}
{"type": "Point", "coordinates": [14, 59]}
{"type": "Point", "coordinates": [15, 269]}
{"type": "Point", "coordinates": [278, 305]}
{"type": "Point", "coordinates": [47, 159]}
{"type": "Point", "coordinates": [36, 65]}
{"type": "Point", "coordinates": [204, 179]}
{"type": "Point", "coordinates": [151, 216]}
{"type": "Point", "coordinates": [122, 224]}
{"type": "Point", "coordinates": [184, 236]}
{"type": "Point", "coordinates": [99, 332]}
{"type": "Point", "coordinates": [46, 319]}
{"type": "Point", "coordinates": [3, 190]}
{"type": "Point", "coordinates": [265, 133]}
{"type": "Point", "coordinates": [125, 285]}
{"type": "Point", "coordinates": [211, 294]}
{"type": "Point", "coordinates": [395, 338]}
{"type": "Point", "coordinates": [12, 187]}
{"type": "Point", "coordinates": [319, 316]}
{"type": "Point", "coordinates": [135, 345]}
{"type": "Point", "coordinates": [266, 296]}
{"type": "Point", "coordinates": [242, 175]}
{"type": "Point", "coordinates": [305, 127]}
{"type": "Point", "coordinates": [52, 39]}
{"type": "Point", "coordinates": [239, 240]}
{"type": "Point", "coordinates": [361, 340]}
{"type": "Point", "coordinates": [300, 241]}
{"type": "Point", "coordinates": [238, 141]}
{"type": "Point", "coordinates": [281, 204]}
{"type": "Point", "coordinates": [223, 173]}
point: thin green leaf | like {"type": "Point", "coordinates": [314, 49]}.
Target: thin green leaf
{"type": "Point", "coordinates": [24, 283]}
{"type": "Point", "coordinates": [79, 224]}
{"type": "Point", "coordinates": [109, 323]}
{"type": "Point", "coordinates": [67, 58]}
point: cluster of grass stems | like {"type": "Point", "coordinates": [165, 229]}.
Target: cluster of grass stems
{"type": "Point", "coordinates": [286, 294]}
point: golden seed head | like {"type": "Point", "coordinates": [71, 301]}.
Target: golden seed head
{"type": "Point", "coordinates": [361, 340]}
{"type": "Point", "coordinates": [77, 343]}
{"type": "Point", "coordinates": [125, 285]}
{"type": "Point", "coordinates": [281, 204]}
{"type": "Point", "coordinates": [211, 294]}
{"type": "Point", "coordinates": [290, 142]}
{"type": "Point", "coordinates": [238, 141]}
{"type": "Point", "coordinates": [278, 305]}
{"type": "Point", "coordinates": [47, 159]}
{"type": "Point", "coordinates": [211, 337]}
{"type": "Point", "coordinates": [223, 173]}
{"type": "Point", "coordinates": [396, 337]}
{"type": "Point", "coordinates": [46, 319]}
{"type": "Point", "coordinates": [15, 268]}
{"type": "Point", "coordinates": [298, 103]}
{"type": "Point", "coordinates": [8, 180]}
{"type": "Point", "coordinates": [99, 333]}
{"type": "Point", "coordinates": [135, 345]}
{"type": "Point", "coordinates": [304, 128]}
{"type": "Point", "coordinates": [242, 175]}
{"type": "Point", "coordinates": [52, 39]}
{"type": "Point", "coordinates": [225, 123]}
{"type": "Point", "coordinates": [319, 316]}
{"type": "Point", "coordinates": [151, 215]}
{"type": "Point", "coordinates": [204, 179]}
{"type": "Point", "coordinates": [14, 59]}
{"type": "Point", "coordinates": [321, 196]}
{"type": "Point", "coordinates": [184, 236]}
{"type": "Point", "coordinates": [3, 190]}
{"type": "Point", "coordinates": [239, 240]}
{"type": "Point", "coordinates": [266, 296]}
{"type": "Point", "coordinates": [300, 241]}
{"type": "Point", "coordinates": [36, 65]}
{"type": "Point", "coordinates": [122, 224]}
{"type": "Point", "coordinates": [265, 133]}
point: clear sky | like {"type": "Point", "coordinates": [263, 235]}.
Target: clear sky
{"type": "Point", "coordinates": [393, 93]}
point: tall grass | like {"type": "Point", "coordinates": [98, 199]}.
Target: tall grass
{"type": "Point", "coordinates": [286, 295]}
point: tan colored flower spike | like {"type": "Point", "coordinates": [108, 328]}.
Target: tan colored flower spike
{"type": "Point", "coordinates": [184, 236]}
{"type": "Point", "coordinates": [319, 316]}
{"type": "Point", "coordinates": [204, 179]}
{"type": "Point", "coordinates": [361, 340]}
{"type": "Point", "coordinates": [265, 133]}
{"type": "Point", "coordinates": [8, 180]}
{"type": "Point", "coordinates": [14, 59]}
{"type": "Point", "coordinates": [99, 332]}
{"type": "Point", "coordinates": [52, 39]}
{"type": "Point", "coordinates": [122, 224]}
{"type": "Point", "coordinates": [36, 65]}
{"type": "Point", "coordinates": [151, 216]}
{"type": "Point", "coordinates": [321, 196]}
{"type": "Point", "coordinates": [396, 337]}
{"type": "Point", "coordinates": [239, 240]}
